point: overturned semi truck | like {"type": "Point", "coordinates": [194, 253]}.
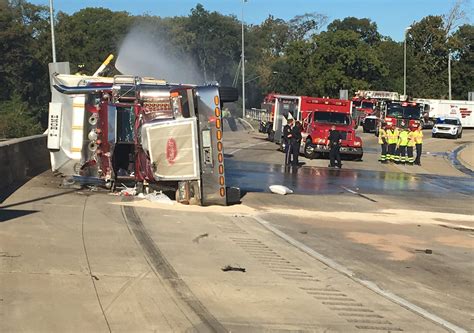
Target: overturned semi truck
{"type": "Point", "coordinates": [110, 130]}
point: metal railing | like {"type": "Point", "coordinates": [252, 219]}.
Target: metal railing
{"type": "Point", "coordinates": [258, 114]}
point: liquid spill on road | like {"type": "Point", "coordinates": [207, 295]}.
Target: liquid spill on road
{"type": "Point", "coordinates": [257, 177]}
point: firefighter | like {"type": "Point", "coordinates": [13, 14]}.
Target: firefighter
{"type": "Point", "coordinates": [418, 144]}
{"type": "Point", "coordinates": [383, 143]}
{"type": "Point", "coordinates": [295, 142]}
{"type": "Point", "coordinates": [392, 140]}
{"type": "Point", "coordinates": [335, 140]}
{"type": "Point", "coordinates": [402, 145]}
{"type": "Point", "coordinates": [287, 135]}
{"type": "Point", "coordinates": [410, 146]}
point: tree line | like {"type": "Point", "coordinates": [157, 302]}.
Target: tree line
{"type": "Point", "coordinates": [306, 55]}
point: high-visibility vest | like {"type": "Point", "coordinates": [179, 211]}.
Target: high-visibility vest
{"type": "Point", "coordinates": [418, 137]}
{"type": "Point", "coordinates": [411, 139]}
{"type": "Point", "coordinates": [403, 138]}
{"type": "Point", "coordinates": [382, 135]}
{"type": "Point", "coordinates": [392, 136]}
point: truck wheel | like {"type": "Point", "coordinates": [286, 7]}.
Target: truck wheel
{"type": "Point", "coordinates": [460, 135]}
{"type": "Point", "coordinates": [433, 135]}
{"type": "Point", "coordinates": [271, 136]}
{"type": "Point", "coordinates": [309, 152]}
{"type": "Point", "coordinates": [358, 158]}
{"type": "Point", "coordinates": [282, 146]}
{"type": "Point", "coordinates": [228, 94]}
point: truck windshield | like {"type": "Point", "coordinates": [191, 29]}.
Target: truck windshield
{"type": "Point", "coordinates": [332, 118]}
{"type": "Point", "coordinates": [406, 112]}
{"type": "Point", "coordinates": [367, 105]}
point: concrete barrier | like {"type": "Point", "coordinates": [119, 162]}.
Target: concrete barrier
{"type": "Point", "coordinates": [20, 160]}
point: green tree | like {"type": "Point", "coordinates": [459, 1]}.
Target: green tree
{"type": "Point", "coordinates": [463, 63]}
{"type": "Point", "coordinates": [16, 119]}
{"type": "Point", "coordinates": [88, 36]}
{"type": "Point", "coordinates": [366, 29]}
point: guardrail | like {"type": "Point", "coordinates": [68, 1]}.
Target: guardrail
{"type": "Point", "coordinates": [258, 114]}
{"type": "Point", "coordinates": [21, 159]}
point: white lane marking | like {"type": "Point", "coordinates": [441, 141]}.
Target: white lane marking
{"type": "Point", "coordinates": [246, 147]}
{"type": "Point", "coordinates": [368, 284]}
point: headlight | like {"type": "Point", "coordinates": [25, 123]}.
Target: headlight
{"type": "Point", "coordinates": [357, 143]}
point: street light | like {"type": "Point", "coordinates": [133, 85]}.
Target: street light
{"type": "Point", "coordinates": [405, 62]}
{"type": "Point", "coordinates": [51, 17]}
{"type": "Point", "coordinates": [449, 73]}
{"type": "Point", "coordinates": [243, 61]}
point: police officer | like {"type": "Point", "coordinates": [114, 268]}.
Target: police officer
{"type": "Point", "coordinates": [295, 142]}
{"type": "Point", "coordinates": [402, 145]}
{"type": "Point", "coordinates": [392, 140]}
{"type": "Point", "coordinates": [335, 140]}
{"type": "Point", "coordinates": [287, 135]}
{"type": "Point", "coordinates": [410, 146]}
{"type": "Point", "coordinates": [383, 143]}
{"type": "Point", "coordinates": [418, 144]}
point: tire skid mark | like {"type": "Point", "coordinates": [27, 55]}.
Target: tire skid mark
{"type": "Point", "coordinates": [164, 269]}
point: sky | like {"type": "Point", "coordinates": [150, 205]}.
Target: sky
{"type": "Point", "coordinates": [391, 16]}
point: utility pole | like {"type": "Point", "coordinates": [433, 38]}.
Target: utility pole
{"type": "Point", "coordinates": [51, 17]}
{"type": "Point", "coordinates": [243, 62]}
{"type": "Point", "coordinates": [449, 73]}
{"type": "Point", "coordinates": [405, 63]}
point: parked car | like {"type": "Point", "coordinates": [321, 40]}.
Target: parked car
{"type": "Point", "coordinates": [447, 127]}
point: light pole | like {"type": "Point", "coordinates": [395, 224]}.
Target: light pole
{"type": "Point", "coordinates": [51, 17]}
{"type": "Point", "coordinates": [405, 63]}
{"type": "Point", "coordinates": [449, 73]}
{"type": "Point", "coordinates": [243, 62]}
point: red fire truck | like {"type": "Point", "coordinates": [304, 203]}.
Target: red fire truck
{"type": "Point", "coordinates": [279, 107]}
{"type": "Point", "coordinates": [108, 130]}
{"type": "Point", "coordinates": [318, 115]}
{"type": "Point", "coordinates": [362, 108]}
{"type": "Point", "coordinates": [400, 114]}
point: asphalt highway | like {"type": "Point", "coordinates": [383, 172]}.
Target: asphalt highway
{"type": "Point", "coordinates": [369, 248]}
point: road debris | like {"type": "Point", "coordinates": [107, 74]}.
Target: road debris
{"type": "Point", "coordinates": [159, 197]}
{"type": "Point", "coordinates": [280, 189]}
{"type": "Point", "coordinates": [196, 240]}
{"type": "Point", "coordinates": [427, 251]}
{"type": "Point", "coordinates": [229, 268]}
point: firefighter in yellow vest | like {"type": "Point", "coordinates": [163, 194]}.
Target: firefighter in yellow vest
{"type": "Point", "coordinates": [402, 145]}
{"type": "Point", "coordinates": [411, 146]}
{"type": "Point", "coordinates": [392, 140]}
{"type": "Point", "coordinates": [418, 144]}
{"type": "Point", "coordinates": [383, 143]}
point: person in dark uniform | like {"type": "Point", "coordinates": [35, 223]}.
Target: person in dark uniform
{"type": "Point", "coordinates": [335, 140]}
{"type": "Point", "coordinates": [295, 142]}
{"type": "Point", "coordinates": [287, 135]}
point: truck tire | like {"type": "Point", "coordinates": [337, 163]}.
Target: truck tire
{"type": "Point", "coordinates": [460, 135]}
{"type": "Point", "coordinates": [228, 94]}
{"type": "Point", "coordinates": [309, 152]}
{"type": "Point", "coordinates": [271, 136]}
